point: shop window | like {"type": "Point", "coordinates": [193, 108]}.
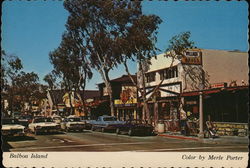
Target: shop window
{"type": "Point", "coordinates": [165, 111]}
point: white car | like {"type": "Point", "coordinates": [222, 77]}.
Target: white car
{"type": "Point", "coordinates": [43, 124]}
{"type": "Point", "coordinates": [11, 127]}
{"type": "Point", "coordinates": [57, 119]}
{"type": "Point", "coordinates": [73, 123]}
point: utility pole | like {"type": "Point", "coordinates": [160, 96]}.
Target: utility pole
{"type": "Point", "coordinates": [201, 133]}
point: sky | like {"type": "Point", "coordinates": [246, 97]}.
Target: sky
{"type": "Point", "coordinates": [32, 29]}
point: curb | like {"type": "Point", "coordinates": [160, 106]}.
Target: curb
{"type": "Point", "coordinates": [179, 137]}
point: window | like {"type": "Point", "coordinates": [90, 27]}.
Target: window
{"type": "Point", "coordinates": [150, 77]}
{"type": "Point", "coordinates": [169, 73]}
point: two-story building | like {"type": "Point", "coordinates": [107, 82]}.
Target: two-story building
{"type": "Point", "coordinates": [124, 97]}
{"type": "Point", "coordinates": [182, 80]}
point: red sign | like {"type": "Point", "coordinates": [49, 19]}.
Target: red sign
{"type": "Point", "coordinates": [218, 85]}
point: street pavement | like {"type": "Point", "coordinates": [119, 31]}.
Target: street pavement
{"type": "Point", "coordinates": [88, 141]}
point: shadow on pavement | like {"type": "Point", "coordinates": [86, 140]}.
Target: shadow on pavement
{"type": "Point", "coordinates": [5, 146]}
{"type": "Point", "coordinates": [18, 138]}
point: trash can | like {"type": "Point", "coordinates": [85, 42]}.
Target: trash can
{"type": "Point", "coordinates": [161, 127]}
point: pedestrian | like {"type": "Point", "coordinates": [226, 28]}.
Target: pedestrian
{"type": "Point", "coordinates": [183, 120]}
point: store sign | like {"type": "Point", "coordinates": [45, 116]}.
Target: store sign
{"type": "Point", "coordinates": [130, 101]}
{"type": "Point", "coordinates": [192, 57]}
{"type": "Point", "coordinates": [219, 85]}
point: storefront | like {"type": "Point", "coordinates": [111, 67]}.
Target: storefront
{"type": "Point", "coordinates": [226, 107]}
{"type": "Point", "coordinates": [126, 110]}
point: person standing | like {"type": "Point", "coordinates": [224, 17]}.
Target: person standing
{"type": "Point", "coordinates": [183, 120]}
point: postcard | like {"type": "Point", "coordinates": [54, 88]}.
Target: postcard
{"type": "Point", "coordinates": [124, 84]}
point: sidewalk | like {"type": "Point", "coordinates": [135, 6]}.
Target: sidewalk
{"type": "Point", "coordinates": [218, 140]}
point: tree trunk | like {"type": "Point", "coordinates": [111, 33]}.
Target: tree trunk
{"type": "Point", "coordinates": [156, 114]}
{"type": "Point", "coordinates": [145, 110]}
{"type": "Point", "coordinates": [110, 92]}
{"type": "Point", "coordinates": [105, 76]}
{"type": "Point", "coordinates": [70, 103]}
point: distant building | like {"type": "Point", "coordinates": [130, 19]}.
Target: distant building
{"type": "Point", "coordinates": [61, 102]}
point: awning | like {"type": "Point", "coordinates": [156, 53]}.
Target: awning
{"type": "Point", "coordinates": [211, 91]}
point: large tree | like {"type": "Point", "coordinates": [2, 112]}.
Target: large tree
{"type": "Point", "coordinates": [70, 65]}
{"type": "Point", "coordinates": [105, 29]}
{"type": "Point", "coordinates": [11, 66]}
{"type": "Point", "coordinates": [50, 79]}
{"type": "Point", "coordinates": [27, 88]}
{"type": "Point", "coordinates": [140, 46]}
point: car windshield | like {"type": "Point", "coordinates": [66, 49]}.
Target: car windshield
{"type": "Point", "coordinates": [109, 119]}
{"type": "Point", "coordinates": [73, 119]}
{"type": "Point", "coordinates": [25, 117]}
{"type": "Point", "coordinates": [85, 117]}
{"type": "Point", "coordinates": [10, 121]}
{"type": "Point", "coordinates": [38, 120]}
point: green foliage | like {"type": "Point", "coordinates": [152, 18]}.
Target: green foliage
{"type": "Point", "coordinates": [179, 44]}
{"type": "Point", "coordinates": [50, 78]}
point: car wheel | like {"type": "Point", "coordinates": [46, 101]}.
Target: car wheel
{"type": "Point", "coordinates": [130, 132]}
{"type": "Point", "coordinates": [92, 128]}
{"type": "Point", "coordinates": [117, 131]}
{"type": "Point", "coordinates": [103, 129]}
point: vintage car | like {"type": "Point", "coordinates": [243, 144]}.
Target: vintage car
{"type": "Point", "coordinates": [88, 120]}
{"type": "Point", "coordinates": [25, 120]}
{"type": "Point", "coordinates": [57, 119]}
{"type": "Point", "coordinates": [72, 123]}
{"type": "Point", "coordinates": [43, 124]}
{"type": "Point", "coordinates": [12, 127]}
{"type": "Point", "coordinates": [106, 122]}
{"type": "Point", "coordinates": [135, 128]}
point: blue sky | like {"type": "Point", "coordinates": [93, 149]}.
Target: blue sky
{"type": "Point", "coordinates": [31, 29]}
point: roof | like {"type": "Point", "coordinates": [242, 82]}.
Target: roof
{"type": "Point", "coordinates": [122, 79]}
{"type": "Point", "coordinates": [90, 94]}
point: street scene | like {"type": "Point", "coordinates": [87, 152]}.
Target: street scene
{"type": "Point", "coordinates": [89, 141]}
{"type": "Point", "coordinates": [124, 76]}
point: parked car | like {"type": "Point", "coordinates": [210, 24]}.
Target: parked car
{"type": "Point", "coordinates": [43, 124]}
{"type": "Point", "coordinates": [135, 128]}
{"type": "Point", "coordinates": [88, 120]}
{"type": "Point", "coordinates": [57, 119]}
{"type": "Point", "coordinates": [25, 120]}
{"type": "Point", "coordinates": [106, 122]}
{"type": "Point", "coordinates": [72, 123]}
{"type": "Point", "coordinates": [12, 127]}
